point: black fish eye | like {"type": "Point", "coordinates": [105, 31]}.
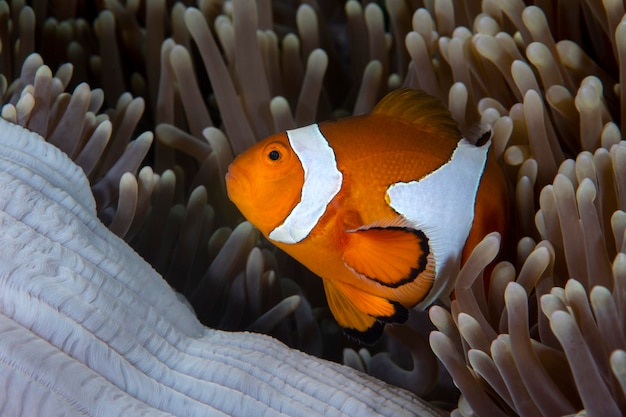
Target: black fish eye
{"type": "Point", "coordinates": [274, 155]}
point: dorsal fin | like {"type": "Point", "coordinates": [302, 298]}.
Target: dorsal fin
{"type": "Point", "coordinates": [419, 108]}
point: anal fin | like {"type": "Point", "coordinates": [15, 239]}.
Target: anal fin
{"type": "Point", "coordinates": [362, 315]}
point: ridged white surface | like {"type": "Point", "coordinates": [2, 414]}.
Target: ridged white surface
{"type": "Point", "coordinates": [88, 328]}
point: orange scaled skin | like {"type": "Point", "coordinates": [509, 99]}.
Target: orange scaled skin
{"type": "Point", "coordinates": [491, 212]}
{"type": "Point", "coordinates": [372, 152]}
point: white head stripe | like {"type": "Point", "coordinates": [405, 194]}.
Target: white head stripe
{"type": "Point", "coordinates": [322, 182]}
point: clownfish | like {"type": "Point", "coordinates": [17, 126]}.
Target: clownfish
{"type": "Point", "coordinates": [383, 207]}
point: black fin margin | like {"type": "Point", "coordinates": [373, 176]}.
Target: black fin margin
{"type": "Point", "coordinates": [484, 138]}
{"type": "Point", "coordinates": [368, 337]}
{"type": "Point", "coordinates": [373, 334]}
{"type": "Point", "coordinates": [400, 315]}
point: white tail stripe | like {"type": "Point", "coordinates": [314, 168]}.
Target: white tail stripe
{"type": "Point", "coordinates": [322, 182]}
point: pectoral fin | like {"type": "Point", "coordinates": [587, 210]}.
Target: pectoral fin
{"type": "Point", "coordinates": [390, 255]}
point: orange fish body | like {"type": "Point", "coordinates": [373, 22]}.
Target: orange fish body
{"type": "Point", "coordinates": [382, 207]}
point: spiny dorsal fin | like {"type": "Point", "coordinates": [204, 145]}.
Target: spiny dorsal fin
{"type": "Point", "coordinates": [419, 108]}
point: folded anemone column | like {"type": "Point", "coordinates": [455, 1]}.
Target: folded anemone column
{"type": "Point", "coordinates": [88, 328]}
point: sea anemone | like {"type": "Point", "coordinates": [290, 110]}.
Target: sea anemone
{"type": "Point", "coordinates": [169, 222]}
{"type": "Point", "coordinates": [163, 96]}
{"type": "Point", "coordinates": [89, 328]}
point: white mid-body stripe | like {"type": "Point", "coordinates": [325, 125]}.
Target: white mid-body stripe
{"type": "Point", "coordinates": [442, 205]}
{"type": "Point", "coordinates": [322, 182]}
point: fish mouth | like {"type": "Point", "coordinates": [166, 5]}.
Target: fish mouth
{"type": "Point", "coordinates": [237, 184]}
